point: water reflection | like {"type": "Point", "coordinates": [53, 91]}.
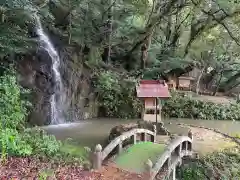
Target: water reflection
{"type": "Point", "coordinates": [92, 132]}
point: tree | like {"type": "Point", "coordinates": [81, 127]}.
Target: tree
{"type": "Point", "coordinates": [141, 34]}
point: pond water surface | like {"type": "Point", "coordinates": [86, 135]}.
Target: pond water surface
{"type": "Point", "coordinates": [91, 132]}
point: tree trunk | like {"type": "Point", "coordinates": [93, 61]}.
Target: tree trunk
{"type": "Point", "coordinates": [70, 24]}
{"type": "Point", "coordinates": [231, 82]}
{"type": "Point", "coordinates": [198, 80]}
{"type": "Point", "coordinates": [218, 84]}
{"type": "Point", "coordinates": [107, 49]}
{"type": "Point", "coordinates": [144, 51]}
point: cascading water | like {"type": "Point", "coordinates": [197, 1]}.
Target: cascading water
{"type": "Point", "coordinates": [56, 98]}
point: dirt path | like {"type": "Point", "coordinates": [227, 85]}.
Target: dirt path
{"type": "Point", "coordinates": [110, 172]}
{"type": "Point", "coordinates": [35, 169]}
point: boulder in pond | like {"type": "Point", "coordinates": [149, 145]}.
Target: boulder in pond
{"type": "Point", "coordinates": [120, 129]}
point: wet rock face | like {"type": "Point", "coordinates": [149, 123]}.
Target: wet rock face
{"type": "Point", "coordinates": [80, 101]}
{"type": "Point", "coordinates": [34, 73]}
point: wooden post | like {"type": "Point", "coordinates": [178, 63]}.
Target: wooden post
{"type": "Point", "coordinates": [156, 111]}
{"type": "Point", "coordinates": [143, 110]}
{"type": "Point", "coordinates": [97, 157]}
{"type": "Point", "coordinates": [149, 166]}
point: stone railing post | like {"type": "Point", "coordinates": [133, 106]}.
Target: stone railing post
{"type": "Point", "coordinates": [134, 138]}
{"type": "Point", "coordinates": [179, 150]}
{"type": "Point", "coordinates": [190, 134]}
{"type": "Point", "coordinates": [149, 166]}
{"type": "Point", "coordinates": [174, 173]}
{"type": "Point", "coordinates": [155, 133]}
{"type": "Point", "coordinates": [120, 145]}
{"type": "Point", "coordinates": [186, 145]}
{"type": "Point", "coordinates": [97, 157]}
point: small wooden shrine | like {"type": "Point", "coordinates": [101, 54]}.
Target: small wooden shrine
{"type": "Point", "coordinates": [153, 92]}
{"type": "Point", "coordinates": [184, 83]}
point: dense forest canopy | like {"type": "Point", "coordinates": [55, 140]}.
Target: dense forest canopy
{"type": "Point", "coordinates": [104, 47]}
{"type": "Point", "coordinates": [155, 36]}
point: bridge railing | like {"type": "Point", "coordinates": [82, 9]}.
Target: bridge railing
{"type": "Point", "coordinates": [100, 155]}
{"type": "Point", "coordinates": [171, 157]}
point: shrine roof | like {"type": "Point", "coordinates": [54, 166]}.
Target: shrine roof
{"type": "Point", "coordinates": [153, 88]}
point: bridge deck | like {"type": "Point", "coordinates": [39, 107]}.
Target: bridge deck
{"type": "Point", "coordinates": [133, 159]}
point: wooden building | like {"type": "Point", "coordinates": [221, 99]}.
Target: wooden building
{"type": "Point", "coordinates": [153, 92]}
{"type": "Point", "coordinates": [185, 83]}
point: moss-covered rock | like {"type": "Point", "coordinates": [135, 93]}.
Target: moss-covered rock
{"type": "Point", "coordinates": [120, 129]}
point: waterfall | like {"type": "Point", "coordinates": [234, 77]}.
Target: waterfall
{"type": "Point", "coordinates": [56, 98]}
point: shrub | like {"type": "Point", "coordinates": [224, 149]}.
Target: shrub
{"type": "Point", "coordinates": [218, 165]}
{"type": "Point", "coordinates": [116, 96]}
{"type": "Point", "coordinates": [179, 106]}
{"type": "Point", "coordinates": [41, 142]}
{"type": "Point", "coordinates": [14, 139]}
{"type": "Point", "coordinates": [12, 108]}
{"type": "Point", "coordinates": [13, 144]}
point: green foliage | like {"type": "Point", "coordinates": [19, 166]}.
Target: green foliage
{"type": "Point", "coordinates": [15, 17]}
{"type": "Point", "coordinates": [116, 96]}
{"type": "Point", "coordinates": [12, 108]}
{"type": "Point", "coordinates": [219, 165]}
{"type": "Point", "coordinates": [195, 172]}
{"type": "Point", "coordinates": [179, 106]}
{"type": "Point", "coordinates": [130, 160]}
{"type": "Point", "coordinates": [40, 142]}
{"type": "Point", "coordinates": [14, 140]}
{"type": "Point", "coordinates": [45, 174]}
{"type": "Point", "coordinates": [71, 151]}
{"type": "Point", "coordinates": [13, 144]}
{"type": "Point", "coordinates": [237, 135]}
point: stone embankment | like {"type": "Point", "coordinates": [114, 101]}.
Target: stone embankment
{"type": "Point", "coordinates": [234, 139]}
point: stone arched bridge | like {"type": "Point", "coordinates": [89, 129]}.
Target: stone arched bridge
{"type": "Point", "coordinates": [158, 161]}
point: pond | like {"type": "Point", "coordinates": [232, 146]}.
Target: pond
{"type": "Point", "coordinates": [91, 132]}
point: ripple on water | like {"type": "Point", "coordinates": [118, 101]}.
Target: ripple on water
{"type": "Point", "coordinates": [65, 125]}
